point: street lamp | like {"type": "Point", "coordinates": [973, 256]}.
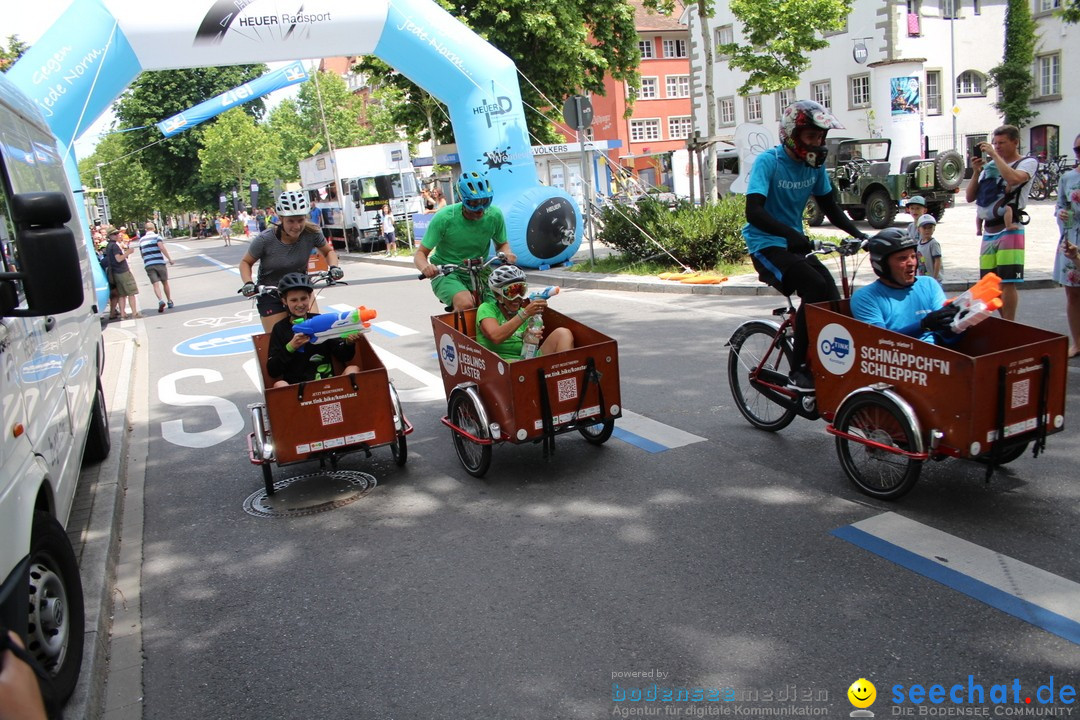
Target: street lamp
{"type": "Point", "coordinates": [254, 195]}
{"type": "Point", "coordinates": [952, 6]}
{"type": "Point", "coordinates": [103, 204]}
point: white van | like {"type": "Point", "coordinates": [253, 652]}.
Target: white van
{"type": "Point", "coordinates": [52, 408]}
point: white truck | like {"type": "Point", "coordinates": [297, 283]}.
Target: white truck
{"type": "Point", "coordinates": [52, 407]}
{"type": "Point", "coordinates": [366, 178]}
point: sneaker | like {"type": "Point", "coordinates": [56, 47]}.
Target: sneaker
{"type": "Point", "coordinates": [801, 379]}
{"type": "Point", "coordinates": [171, 306]}
{"type": "Point", "coordinates": [161, 306]}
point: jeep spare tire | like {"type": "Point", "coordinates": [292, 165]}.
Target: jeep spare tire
{"type": "Point", "coordinates": [880, 209]}
{"type": "Point", "coordinates": [812, 213]}
{"type": "Point", "coordinates": [949, 167]}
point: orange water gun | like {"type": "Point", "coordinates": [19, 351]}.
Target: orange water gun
{"type": "Point", "coordinates": [976, 303]}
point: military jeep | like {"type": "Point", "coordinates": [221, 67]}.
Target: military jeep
{"type": "Point", "coordinates": [866, 189]}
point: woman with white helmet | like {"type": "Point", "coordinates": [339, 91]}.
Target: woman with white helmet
{"type": "Point", "coordinates": [501, 323]}
{"type": "Point", "coordinates": [284, 249]}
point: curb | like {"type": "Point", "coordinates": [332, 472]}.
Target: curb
{"type": "Point", "coordinates": [102, 487]}
{"type": "Point", "coordinates": [737, 285]}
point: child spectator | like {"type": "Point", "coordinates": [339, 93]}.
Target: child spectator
{"type": "Point", "coordinates": [916, 207]}
{"type": "Point", "coordinates": [929, 249]}
{"type": "Point", "coordinates": [291, 358]}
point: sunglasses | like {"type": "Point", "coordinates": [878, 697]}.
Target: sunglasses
{"type": "Point", "coordinates": [514, 291]}
{"type": "Point", "coordinates": [476, 205]}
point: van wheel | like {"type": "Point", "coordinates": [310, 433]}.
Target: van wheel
{"type": "Point", "coordinates": [98, 442]}
{"type": "Point", "coordinates": [56, 620]}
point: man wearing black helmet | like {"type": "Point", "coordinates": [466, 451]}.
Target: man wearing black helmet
{"type": "Point", "coordinates": [901, 300]}
{"type": "Point", "coordinates": [781, 182]}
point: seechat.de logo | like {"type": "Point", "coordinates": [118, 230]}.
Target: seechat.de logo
{"type": "Point", "coordinates": [227, 341]}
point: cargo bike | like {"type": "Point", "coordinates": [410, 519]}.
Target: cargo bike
{"type": "Point", "coordinates": [326, 419]}
{"type": "Point", "coordinates": [893, 402]}
{"type": "Point", "coordinates": [492, 400]}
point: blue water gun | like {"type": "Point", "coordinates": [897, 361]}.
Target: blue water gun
{"type": "Point", "coordinates": [544, 293]}
{"type": "Point", "coordinates": [335, 325]}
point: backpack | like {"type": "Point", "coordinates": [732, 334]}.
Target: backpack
{"type": "Point", "coordinates": [994, 195]}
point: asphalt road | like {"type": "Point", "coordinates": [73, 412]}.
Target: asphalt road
{"type": "Point", "coordinates": [554, 589]}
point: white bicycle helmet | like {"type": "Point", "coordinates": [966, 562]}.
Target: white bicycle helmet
{"type": "Point", "coordinates": [502, 280]}
{"type": "Point", "coordinates": [292, 202]}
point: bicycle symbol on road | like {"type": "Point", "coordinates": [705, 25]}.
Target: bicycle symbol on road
{"type": "Point", "coordinates": [241, 317]}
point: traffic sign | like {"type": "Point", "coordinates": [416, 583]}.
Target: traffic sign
{"type": "Point", "coordinates": [577, 111]}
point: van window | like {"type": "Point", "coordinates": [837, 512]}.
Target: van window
{"type": "Point", "coordinates": [9, 253]}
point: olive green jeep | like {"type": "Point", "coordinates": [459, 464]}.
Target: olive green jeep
{"type": "Point", "coordinates": [865, 188]}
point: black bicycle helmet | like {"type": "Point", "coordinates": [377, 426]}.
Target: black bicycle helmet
{"type": "Point", "coordinates": [294, 281]}
{"type": "Point", "coordinates": [884, 244]}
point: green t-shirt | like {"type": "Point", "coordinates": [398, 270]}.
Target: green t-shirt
{"type": "Point", "coordinates": [453, 239]}
{"type": "Point", "coordinates": [509, 349]}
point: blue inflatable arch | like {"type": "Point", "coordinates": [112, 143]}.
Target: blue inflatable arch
{"type": "Point", "coordinates": [87, 58]}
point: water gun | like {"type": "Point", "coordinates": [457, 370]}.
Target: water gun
{"type": "Point", "coordinates": [544, 293]}
{"type": "Point", "coordinates": [976, 303]}
{"type": "Point", "coordinates": [335, 325]}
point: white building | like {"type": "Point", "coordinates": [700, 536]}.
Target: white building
{"type": "Point", "coordinates": [934, 52]}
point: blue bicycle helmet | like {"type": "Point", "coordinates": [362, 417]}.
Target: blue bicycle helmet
{"type": "Point", "coordinates": [475, 191]}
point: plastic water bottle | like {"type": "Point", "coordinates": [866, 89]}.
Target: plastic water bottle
{"type": "Point", "coordinates": [530, 341]}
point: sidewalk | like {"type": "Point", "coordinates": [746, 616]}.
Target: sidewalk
{"type": "Point", "coordinates": [955, 232]}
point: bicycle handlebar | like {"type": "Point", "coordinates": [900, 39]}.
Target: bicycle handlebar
{"type": "Point", "coordinates": [471, 265]}
{"type": "Point", "coordinates": [845, 247]}
{"type": "Point", "coordinates": [318, 279]}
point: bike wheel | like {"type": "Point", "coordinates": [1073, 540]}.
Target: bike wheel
{"type": "Point", "coordinates": [749, 345]}
{"type": "Point", "coordinates": [875, 471]}
{"type": "Point", "coordinates": [599, 433]}
{"type": "Point", "coordinates": [474, 456]}
{"type": "Point", "coordinates": [400, 447]}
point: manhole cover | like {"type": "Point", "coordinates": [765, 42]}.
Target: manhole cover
{"type": "Point", "coordinates": [309, 494]}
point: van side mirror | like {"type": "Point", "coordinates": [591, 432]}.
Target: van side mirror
{"type": "Point", "coordinates": [48, 258]}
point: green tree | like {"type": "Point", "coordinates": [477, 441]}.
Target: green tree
{"type": "Point", "coordinates": [1013, 76]}
{"type": "Point", "coordinates": [124, 179]}
{"type": "Point", "coordinates": [1070, 11]}
{"type": "Point", "coordinates": [174, 163]}
{"type": "Point", "coordinates": [294, 141]}
{"type": "Point", "coordinates": [14, 50]}
{"type": "Point", "coordinates": [562, 47]}
{"type": "Point", "coordinates": [779, 36]}
{"type": "Point", "coordinates": [343, 111]}
{"type": "Point", "coordinates": [236, 151]}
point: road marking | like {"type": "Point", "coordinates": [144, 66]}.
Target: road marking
{"type": "Point", "coordinates": [1024, 591]}
{"type": "Point", "coordinates": [231, 268]}
{"type": "Point", "coordinates": [433, 384]}
{"type": "Point", "coordinates": [650, 435]}
{"type": "Point", "coordinates": [181, 246]}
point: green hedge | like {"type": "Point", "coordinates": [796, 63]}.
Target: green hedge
{"type": "Point", "coordinates": [700, 237]}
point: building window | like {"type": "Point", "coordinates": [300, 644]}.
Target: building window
{"type": "Point", "coordinates": [1047, 6]}
{"type": "Point", "coordinates": [678, 86]}
{"type": "Point", "coordinates": [950, 9]}
{"type": "Point", "coordinates": [783, 99]}
{"type": "Point", "coordinates": [726, 105]}
{"type": "Point", "coordinates": [1048, 75]}
{"type": "Point", "coordinates": [859, 91]}
{"type": "Point", "coordinates": [933, 92]}
{"type": "Point", "coordinates": [841, 31]}
{"type": "Point", "coordinates": [646, 48]}
{"type": "Point", "coordinates": [650, 89]}
{"type": "Point", "coordinates": [679, 127]}
{"type": "Point", "coordinates": [674, 48]}
{"type": "Point", "coordinates": [821, 93]}
{"type": "Point", "coordinates": [913, 11]}
{"type": "Point", "coordinates": [753, 108]}
{"type": "Point", "coordinates": [644, 130]}
{"type": "Point", "coordinates": [725, 35]}
{"type": "Point", "coordinates": [970, 84]}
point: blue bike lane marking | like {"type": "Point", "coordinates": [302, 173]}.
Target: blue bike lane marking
{"type": "Point", "coordinates": [1024, 591]}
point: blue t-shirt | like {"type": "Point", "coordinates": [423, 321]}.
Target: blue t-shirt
{"type": "Point", "coordinates": [899, 309]}
{"type": "Point", "coordinates": [786, 185]}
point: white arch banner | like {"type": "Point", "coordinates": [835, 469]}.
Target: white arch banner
{"type": "Point", "coordinates": [98, 47]}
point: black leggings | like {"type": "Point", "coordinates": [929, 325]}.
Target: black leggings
{"type": "Point", "coordinates": [812, 282]}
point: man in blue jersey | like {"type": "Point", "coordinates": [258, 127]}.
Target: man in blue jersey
{"type": "Point", "coordinates": [901, 300]}
{"type": "Point", "coordinates": [781, 182]}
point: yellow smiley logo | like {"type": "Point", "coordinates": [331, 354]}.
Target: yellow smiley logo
{"type": "Point", "coordinates": [862, 693]}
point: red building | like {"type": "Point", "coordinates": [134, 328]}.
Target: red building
{"type": "Point", "coordinates": [661, 119]}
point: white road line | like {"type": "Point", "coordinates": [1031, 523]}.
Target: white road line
{"type": "Point", "coordinates": [666, 435]}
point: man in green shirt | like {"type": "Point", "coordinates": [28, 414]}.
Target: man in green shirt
{"type": "Point", "coordinates": [458, 233]}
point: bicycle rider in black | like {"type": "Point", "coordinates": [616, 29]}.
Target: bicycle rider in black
{"type": "Point", "coordinates": [781, 182]}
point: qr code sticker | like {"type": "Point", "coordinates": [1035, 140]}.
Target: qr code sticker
{"type": "Point", "coordinates": [330, 414]}
{"type": "Point", "coordinates": [1021, 393]}
{"type": "Point", "coordinates": [568, 389]}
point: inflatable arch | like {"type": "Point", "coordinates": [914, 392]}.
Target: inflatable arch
{"type": "Point", "coordinates": [87, 58]}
